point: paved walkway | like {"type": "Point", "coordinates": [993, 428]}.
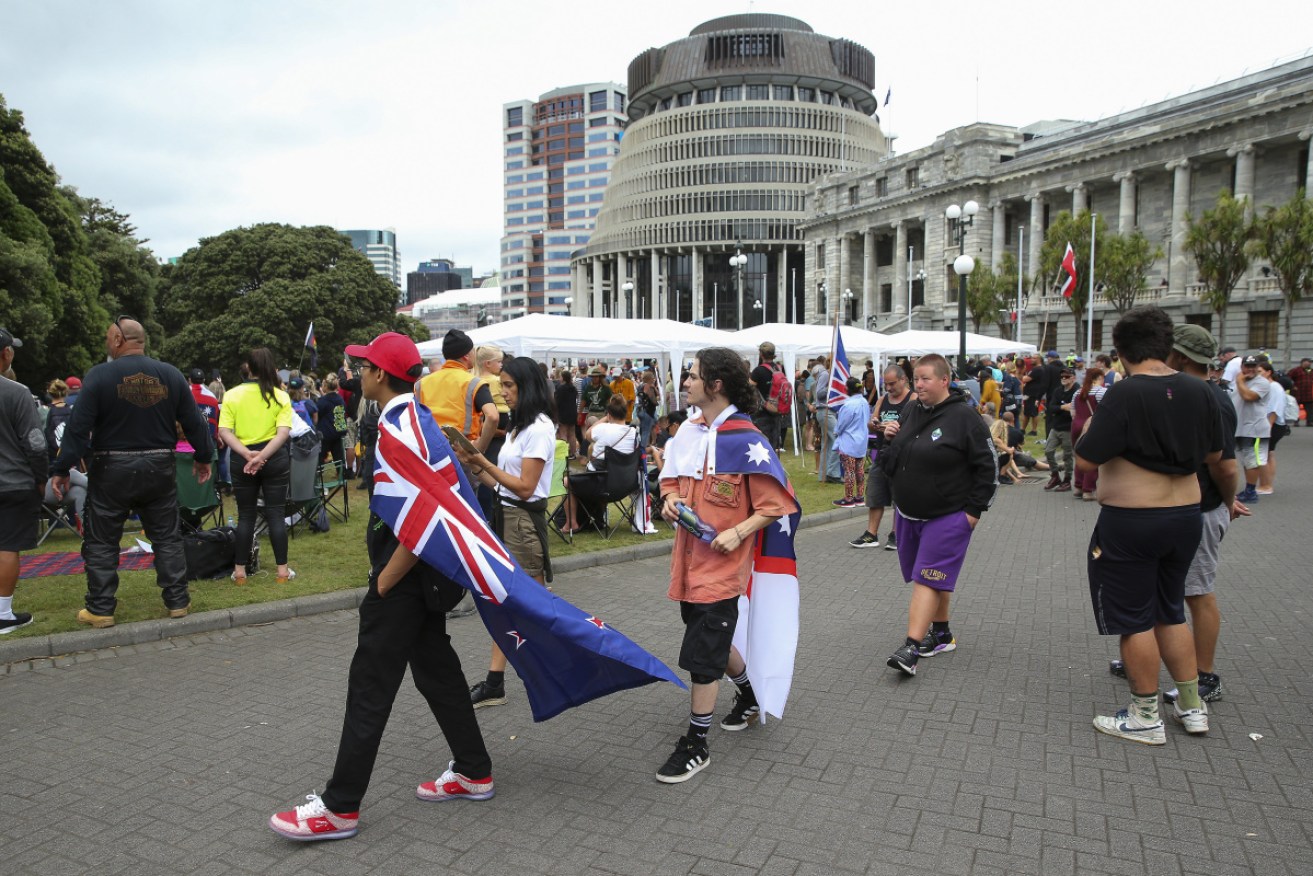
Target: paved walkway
{"type": "Point", "coordinates": [167, 757]}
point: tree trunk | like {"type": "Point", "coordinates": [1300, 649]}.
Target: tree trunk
{"type": "Point", "coordinates": [1221, 328]}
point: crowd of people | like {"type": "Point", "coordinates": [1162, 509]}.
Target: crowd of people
{"type": "Point", "coordinates": [1174, 438]}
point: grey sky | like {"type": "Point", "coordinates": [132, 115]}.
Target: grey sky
{"type": "Point", "coordinates": [198, 117]}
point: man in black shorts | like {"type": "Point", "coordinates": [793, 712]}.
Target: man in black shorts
{"type": "Point", "coordinates": [889, 408]}
{"type": "Point", "coordinates": [22, 481]}
{"type": "Point", "coordinates": [1153, 432]}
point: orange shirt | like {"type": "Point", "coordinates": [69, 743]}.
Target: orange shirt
{"type": "Point", "coordinates": [699, 574]}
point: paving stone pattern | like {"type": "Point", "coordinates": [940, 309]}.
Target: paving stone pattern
{"type": "Point", "coordinates": [168, 757]}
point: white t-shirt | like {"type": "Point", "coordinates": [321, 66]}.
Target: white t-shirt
{"type": "Point", "coordinates": [623, 438]}
{"type": "Point", "coordinates": [536, 441]}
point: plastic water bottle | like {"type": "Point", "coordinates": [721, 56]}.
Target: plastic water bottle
{"type": "Point", "coordinates": [231, 524]}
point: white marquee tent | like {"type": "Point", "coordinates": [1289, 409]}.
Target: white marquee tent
{"type": "Point", "coordinates": [920, 343]}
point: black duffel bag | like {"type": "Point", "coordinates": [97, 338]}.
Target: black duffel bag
{"type": "Point", "coordinates": [210, 553]}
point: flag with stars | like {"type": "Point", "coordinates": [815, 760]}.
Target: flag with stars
{"type": "Point", "coordinates": [767, 633]}
{"type": "Point", "coordinates": [838, 393]}
{"type": "Point", "coordinates": [566, 656]}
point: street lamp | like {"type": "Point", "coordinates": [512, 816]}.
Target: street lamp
{"type": "Point", "coordinates": [737, 261]}
{"type": "Point", "coordinates": [823, 299]}
{"type": "Point", "coordinates": [845, 304]}
{"type": "Point", "coordinates": [756, 308]}
{"type": "Point", "coordinates": [962, 218]}
{"type": "Point", "coordinates": [629, 299]}
{"type": "Point", "coordinates": [569, 305]}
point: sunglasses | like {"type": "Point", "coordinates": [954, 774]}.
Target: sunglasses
{"type": "Point", "coordinates": [119, 319]}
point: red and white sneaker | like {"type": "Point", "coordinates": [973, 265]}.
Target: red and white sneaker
{"type": "Point", "coordinates": [313, 821]}
{"type": "Point", "coordinates": [451, 785]}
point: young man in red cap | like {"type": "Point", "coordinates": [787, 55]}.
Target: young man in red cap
{"type": "Point", "coordinates": [402, 622]}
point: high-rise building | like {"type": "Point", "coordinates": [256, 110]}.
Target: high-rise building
{"type": "Point", "coordinates": [727, 130]}
{"type": "Point", "coordinates": [558, 154]}
{"type": "Point", "coordinates": [380, 247]}
{"type": "Point", "coordinates": [448, 266]}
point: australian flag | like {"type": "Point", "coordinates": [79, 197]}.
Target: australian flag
{"type": "Point", "coordinates": [565, 656]}
{"type": "Point", "coordinates": [767, 632]}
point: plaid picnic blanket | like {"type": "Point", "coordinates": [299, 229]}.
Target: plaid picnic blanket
{"type": "Point", "coordinates": [70, 563]}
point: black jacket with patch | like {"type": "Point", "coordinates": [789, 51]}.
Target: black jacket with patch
{"type": "Point", "coordinates": [942, 461]}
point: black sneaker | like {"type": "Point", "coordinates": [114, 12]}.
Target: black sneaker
{"type": "Point", "coordinates": [1210, 687]}
{"type": "Point", "coordinates": [20, 619]}
{"type": "Point", "coordinates": [891, 543]}
{"type": "Point", "coordinates": [1117, 668]}
{"type": "Point", "coordinates": [482, 694]}
{"type": "Point", "coordinates": [743, 715]}
{"type": "Point", "coordinates": [904, 659]}
{"type": "Point", "coordinates": [689, 759]}
{"type": "Point", "coordinates": [936, 643]}
{"type": "Point", "coordinates": [865, 540]}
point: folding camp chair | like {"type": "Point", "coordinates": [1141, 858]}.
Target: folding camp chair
{"type": "Point", "coordinates": [613, 487]}
{"type": "Point", "coordinates": [56, 516]}
{"type": "Point", "coordinates": [304, 498]}
{"type": "Point", "coordinates": [334, 489]}
{"type": "Point", "coordinates": [560, 468]}
{"type": "Point", "coordinates": [198, 504]}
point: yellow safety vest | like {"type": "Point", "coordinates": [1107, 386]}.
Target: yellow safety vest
{"type": "Point", "coordinates": [449, 394]}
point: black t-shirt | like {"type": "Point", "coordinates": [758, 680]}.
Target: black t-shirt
{"type": "Point", "coordinates": [1166, 424]}
{"type": "Point", "coordinates": [1016, 437]}
{"type": "Point", "coordinates": [567, 402]}
{"type": "Point", "coordinates": [889, 411]}
{"type": "Point", "coordinates": [762, 375]}
{"type": "Point", "coordinates": [1211, 496]}
{"type": "Point", "coordinates": [1060, 420]}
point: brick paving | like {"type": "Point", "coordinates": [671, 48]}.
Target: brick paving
{"type": "Point", "coordinates": [168, 756]}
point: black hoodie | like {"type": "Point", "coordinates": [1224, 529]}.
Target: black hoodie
{"type": "Point", "coordinates": [943, 460]}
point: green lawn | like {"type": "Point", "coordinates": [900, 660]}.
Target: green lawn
{"type": "Point", "coordinates": [323, 562]}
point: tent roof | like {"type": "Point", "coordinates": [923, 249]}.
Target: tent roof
{"type": "Point", "coordinates": [814, 340]}
{"type": "Point", "coordinates": [919, 343]}
{"type": "Point", "coordinates": [539, 335]}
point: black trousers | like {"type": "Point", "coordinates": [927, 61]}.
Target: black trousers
{"type": "Point", "coordinates": [402, 629]}
{"type": "Point", "coordinates": [271, 482]}
{"type": "Point", "coordinates": [117, 485]}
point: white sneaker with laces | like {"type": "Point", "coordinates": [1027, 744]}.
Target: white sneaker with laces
{"type": "Point", "coordinates": [1195, 721]}
{"type": "Point", "coordinates": [1132, 727]}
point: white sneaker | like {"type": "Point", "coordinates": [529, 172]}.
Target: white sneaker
{"type": "Point", "coordinates": [1131, 727]}
{"type": "Point", "coordinates": [1195, 721]}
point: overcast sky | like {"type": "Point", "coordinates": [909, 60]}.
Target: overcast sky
{"type": "Point", "coordinates": [196, 117]}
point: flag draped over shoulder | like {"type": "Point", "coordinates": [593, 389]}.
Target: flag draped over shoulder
{"type": "Point", "coordinates": [1069, 267]}
{"type": "Point", "coordinates": [565, 656]}
{"type": "Point", "coordinates": [838, 390]}
{"type": "Point", "coordinates": [767, 632]}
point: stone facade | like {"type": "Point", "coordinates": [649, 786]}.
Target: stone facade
{"type": "Point", "coordinates": [870, 231]}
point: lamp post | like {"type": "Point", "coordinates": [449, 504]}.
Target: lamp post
{"type": "Point", "coordinates": [962, 218]}
{"type": "Point", "coordinates": [569, 305]}
{"type": "Point", "coordinates": [756, 311]}
{"type": "Point", "coordinates": [845, 304]}
{"type": "Point", "coordinates": [629, 299]}
{"type": "Point", "coordinates": [823, 299]}
{"type": "Point", "coordinates": [737, 261]}
{"type": "Point", "coordinates": [715, 289]}
{"type": "Point", "coordinates": [920, 275]}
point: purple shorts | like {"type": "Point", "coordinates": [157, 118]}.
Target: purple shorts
{"type": "Point", "coordinates": [931, 552]}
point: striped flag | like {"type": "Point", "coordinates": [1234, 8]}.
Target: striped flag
{"type": "Point", "coordinates": [838, 393]}
{"type": "Point", "coordinates": [1069, 266]}
{"type": "Point", "coordinates": [565, 656]}
{"type": "Point", "coordinates": [767, 631]}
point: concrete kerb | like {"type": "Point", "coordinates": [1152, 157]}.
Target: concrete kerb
{"type": "Point", "coordinates": [60, 644]}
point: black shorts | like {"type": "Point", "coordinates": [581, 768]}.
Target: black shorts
{"type": "Point", "coordinates": [708, 634]}
{"type": "Point", "coordinates": [1278, 432]}
{"type": "Point", "coordinates": [1138, 561]}
{"type": "Point", "coordinates": [1030, 407]}
{"type": "Point", "coordinates": [878, 494]}
{"type": "Point", "coordinates": [18, 516]}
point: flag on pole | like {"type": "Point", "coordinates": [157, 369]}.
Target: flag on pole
{"type": "Point", "coordinates": [888, 94]}
{"type": "Point", "coordinates": [838, 393]}
{"type": "Point", "coordinates": [565, 656]}
{"type": "Point", "coordinates": [1069, 266]}
{"type": "Point", "coordinates": [767, 631]}
{"type": "Point", "coordinates": [312, 345]}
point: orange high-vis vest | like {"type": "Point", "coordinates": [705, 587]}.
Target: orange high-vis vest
{"type": "Point", "coordinates": [449, 394]}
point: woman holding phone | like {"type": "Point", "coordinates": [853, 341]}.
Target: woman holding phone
{"type": "Point", "coordinates": [521, 480]}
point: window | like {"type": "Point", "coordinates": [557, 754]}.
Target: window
{"type": "Point", "coordinates": [514, 135]}
{"type": "Point", "coordinates": [515, 117]}
{"type": "Point", "coordinates": [1049, 336]}
{"type": "Point", "coordinates": [882, 187]}
{"type": "Point", "coordinates": [783, 92]}
{"type": "Point", "coordinates": [758, 92]}
{"type": "Point", "coordinates": [853, 195]}
{"type": "Point", "coordinates": [619, 103]}
{"type": "Point", "coordinates": [706, 95]}
{"type": "Point", "coordinates": [886, 297]}
{"type": "Point", "coordinates": [597, 102]}
{"type": "Point", "coordinates": [1203, 320]}
{"type": "Point", "coordinates": [1096, 342]}
{"type": "Point", "coordinates": [807, 95]}
{"type": "Point", "coordinates": [820, 256]}
{"type": "Point", "coordinates": [729, 92]}
{"type": "Point", "coordinates": [1263, 328]}
{"type": "Point", "coordinates": [685, 99]}
{"type": "Point", "coordinates": [913, 177]}
{"type": "Point", "coordinates": [918, 293]}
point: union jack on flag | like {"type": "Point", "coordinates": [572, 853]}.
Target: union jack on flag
{"type": "Point", "coordinates": [565, 656]}
{"type": "Point", "coordinates": [767, 632]}
{"type": "Point", "coordinates": [838, 372]}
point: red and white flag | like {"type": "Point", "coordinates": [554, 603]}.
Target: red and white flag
{"type": "Point", "coordinates": [1069, 266]}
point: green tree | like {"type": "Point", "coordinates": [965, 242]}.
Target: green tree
{"type": "Point", "coordinates": [262, 286]}
{"type": "Point", "coordinates": [129, 273]}
{"type": "Point", "coordinates": [1126, 260]}
{"type": "Point", "coordinates": [982, 294]}
{"type": "Point", "coordinates": [49, 281]}
{"type": "Point", "coordinates": [1005, 281]}
{"type": "Point", "coordinates": [1074, 230]}
{"type": "Point", "coordinates": [1284, 236]}
{"type": "Point", "coordinates": [1219, 243]}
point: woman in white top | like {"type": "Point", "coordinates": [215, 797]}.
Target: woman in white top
{"type": "Point", "coordinates": [610, 431]}
{"type": "Point", "coordinates": [522, 479]}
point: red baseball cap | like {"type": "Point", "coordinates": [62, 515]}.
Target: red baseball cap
{"type": "Point", "coordinates": [394, 353]}
{"type": "Point", "coordinates": [74, 383]}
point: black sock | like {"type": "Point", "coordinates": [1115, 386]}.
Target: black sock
{"type": "Point", "coordinates": [496, 679]}
{"type": "Point", "coordinates": [744, 686]}
{"type": "Point", "coordinates": [915, 643]}
{"type": "Point", "coordinates": [939, 626]}
{"type": "Point", "coordinates": [698, 725]}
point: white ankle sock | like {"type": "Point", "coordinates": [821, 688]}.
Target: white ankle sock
{"type": "Point", "coordinates": [6, 608]}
